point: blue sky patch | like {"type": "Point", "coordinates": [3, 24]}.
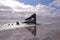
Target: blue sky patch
{"type": "Point", "coordinates": [35, 2]}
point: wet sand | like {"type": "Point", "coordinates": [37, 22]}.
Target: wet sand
{"type": "Point", "coordinates": [44, 32]}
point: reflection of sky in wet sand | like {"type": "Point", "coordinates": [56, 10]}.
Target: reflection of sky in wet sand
{"type": "Point", "coordinates": [44, 32]}
{"type": "Point", "coordinates": [33, 39]}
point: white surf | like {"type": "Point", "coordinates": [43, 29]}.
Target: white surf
{"type": "Point", "coordinates": [13, 26]}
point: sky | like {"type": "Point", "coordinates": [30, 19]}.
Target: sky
{"type": "Point", "coordinates": [48, 11]}
{"type": "Point", "coordinates": [35, 2]}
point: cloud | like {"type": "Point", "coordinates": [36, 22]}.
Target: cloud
{"type": "Point", "coordinates": [55, 3]}
{"type": "Point", "coordinates": [16, 6]}
{"type": "Point", "coordinates": [48, 17]}
{"type": "Point", "coordinates": [14, 10]}
{"type": "Point", "coordinates": [44, 8]}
